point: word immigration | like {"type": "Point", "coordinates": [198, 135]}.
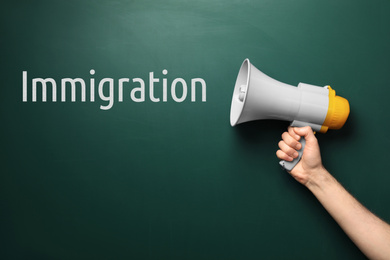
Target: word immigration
{"type": "Point", "coordinates": [105, 88]}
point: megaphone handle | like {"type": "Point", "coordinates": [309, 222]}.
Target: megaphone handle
{"type": "Point", "coordinates": [290, 165]}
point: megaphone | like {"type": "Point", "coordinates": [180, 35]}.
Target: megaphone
{"type": "Point", "coordinates": [257, 96]}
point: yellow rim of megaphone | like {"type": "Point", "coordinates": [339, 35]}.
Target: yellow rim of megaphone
{"type": "Point", "coordinates": [338, 111]}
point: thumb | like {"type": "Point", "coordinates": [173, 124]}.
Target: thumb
{"type": "Point", "coordinates": [306, 132]}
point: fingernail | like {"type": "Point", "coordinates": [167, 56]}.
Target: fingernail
{"type": "Point", "coordinates": [295, 154]}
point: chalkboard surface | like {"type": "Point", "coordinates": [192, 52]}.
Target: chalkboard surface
{"type": "Point", "coordinates": [148, 167]}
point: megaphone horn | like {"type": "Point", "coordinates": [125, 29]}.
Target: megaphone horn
{"type": "Point", "coordinates": [257, 96]}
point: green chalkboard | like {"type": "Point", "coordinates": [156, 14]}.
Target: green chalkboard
{"type": "Point", "coordinates": [143, 163]}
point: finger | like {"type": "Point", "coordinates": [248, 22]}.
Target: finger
{"type": "Point", "coordinates": [283, 156]}
{"type": "Point", "coordinates": [291, 140]}
{"type": "Point", "coordinates": [306, 132]}
{"type": "Point", "coordinates": [288, 149]}
{"type": "Point", "coordinates": [291, 131]}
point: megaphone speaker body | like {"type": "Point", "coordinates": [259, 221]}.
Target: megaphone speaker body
{"type": "Point", "coordinates": [257, 96]}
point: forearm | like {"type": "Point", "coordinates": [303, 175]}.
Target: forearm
{"type": "Point", "coordinates": [367, 231]}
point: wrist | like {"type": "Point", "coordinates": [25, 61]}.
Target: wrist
{"type": "Point", "coordinates": [319, 179]}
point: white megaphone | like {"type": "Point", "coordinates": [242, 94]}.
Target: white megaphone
{"type": "Point", "coordinates": [257, 96]}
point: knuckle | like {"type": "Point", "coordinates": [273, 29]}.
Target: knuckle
{"type": "Point", "coordinates": [291, 152]}
{"type": "Point", "coordinates": [286, 136]}
{"type": "Point", "coordinates": [282, 155]}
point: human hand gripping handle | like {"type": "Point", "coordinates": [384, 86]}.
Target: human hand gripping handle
{"type": "Point", "coordinates": [289, 165]}
{"type": "Point", "coordinates": [290, 146]}
{"type": "Point", "coordinates": [367, 231]}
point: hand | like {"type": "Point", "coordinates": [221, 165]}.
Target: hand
{"type": "Point", "coordinates": [310, 163]}
{"type": "Point", "coordinates": [367, 231]}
